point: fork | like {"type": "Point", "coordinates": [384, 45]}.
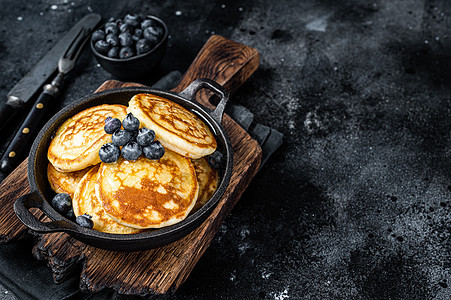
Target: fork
{"type": "Point", "coordinates": [20, 144]}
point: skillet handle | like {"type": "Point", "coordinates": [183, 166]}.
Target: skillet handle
{"type": "Point", "coordinates": [201, 83]}
{"type": "Point", "coordinates": [22, 209]}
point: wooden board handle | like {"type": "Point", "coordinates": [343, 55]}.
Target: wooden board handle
{"type": "Point", "coordinates": [227, 62]}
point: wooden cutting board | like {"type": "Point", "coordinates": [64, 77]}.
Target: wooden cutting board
{"type": "Point", "coordinates": [164, 269]}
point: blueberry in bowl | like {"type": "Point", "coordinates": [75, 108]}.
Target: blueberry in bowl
{"type": "Point", "coordinates": [130, 47]}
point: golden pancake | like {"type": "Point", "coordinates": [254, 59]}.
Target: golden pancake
{"type": "Point", "coordinates": [64, 182]}
{"type": "Point", "coordinates": [77, 142]}
{"type": "Point", "coordinates": [175, 127]}
{"type": "Point", "coordinates": [85, 202]}
{"type": "Point", "coordinates": [148, 193]}
{"type": "Point", "coordinates": [208, 179]}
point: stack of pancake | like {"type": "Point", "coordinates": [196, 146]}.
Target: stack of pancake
{"type": "Point", "coordinates": [131, 196]}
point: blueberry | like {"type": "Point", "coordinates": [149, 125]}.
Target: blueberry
{"type": "Point", "coordinates": [111, 27]}
{"type": "Point", "coordinates": [130, 123]}
{"type": "Point", "coordinates": [135, 39]}
{"type": "Point", "coordinates": [126, 28]}
{"type": "Point", "coordinates": [132, 20]}
{"type": "Point", "coordinates": [216, 160]}
{"type": "Point", "coordinates": [62, 203]}
{"type": "Point", "coordinates": [138, 32]}
{"type": "Point", "coordinates": [109, 153]}
{"type": "Point", "coordinates": [112, 39]}
{"type": "Point", "coordinates": [134, 134]}
{"type": "Point", "coordinates": [125, 39]}
{"type": "Point", "coordinates": [85, 221]}
{"type": "Point", "coordinates": [119, 22]}
{"type": "Point", "coordinates": [126, 52]}
{"type": "Point", "coordinates": [110, 23]}
{"type": "Point", "coordinates": [143, 46]}
{"type": "Point", "coordinates": [147, 23]}
{"type": "Point", "coordinates": [145, 136]}
{"type": "Point", "coordinates": [156, 30]}
{"type": "Point", "coordinates": [154, 151]}
{"type": "Point", "coordinates": [98, 35]}
{"type": "Point", "coordinates": [131, 151]}
{"type": "Point", "coordinates": [121, 137]}
{"type": "Point", "coordinates": [150, 35]}
{"type": "Point", "coordinates": [113, 52]}
{"type": "Point", "coordinates": [102, 46]}
{"type": "Point", "coordinates": [70, 214]}
{"type": "Point", "coordinates": [111, 125]}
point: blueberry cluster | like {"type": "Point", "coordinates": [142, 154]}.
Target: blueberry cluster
{"type": "Point", "coordinates": [62, 203]}
{"type": "Point", "coordinates": [127, 37]}
{"type": "Point", "coordinates": [134, 141]}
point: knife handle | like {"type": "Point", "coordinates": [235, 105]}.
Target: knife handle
{"type": "Point", "coordinates": [7, 113]}
{"type": "Point", "coordinates": [20, 145]}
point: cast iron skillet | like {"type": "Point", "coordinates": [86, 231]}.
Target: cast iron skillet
{"type": "Point", "coordinates": [41, 193]}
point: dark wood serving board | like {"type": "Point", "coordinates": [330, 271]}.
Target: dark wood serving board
{"type": "Point", "coordinates": [160, 270]}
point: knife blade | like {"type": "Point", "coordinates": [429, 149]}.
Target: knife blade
{"type": "Point", "coordinates": [20, 145]}
{"type": "Point", "coordinates": [25, 89]}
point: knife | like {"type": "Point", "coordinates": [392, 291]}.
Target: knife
{"type": "Point", "coordinates": [24, 90]}
{"type": "Point", "coordinates": [32, 124]}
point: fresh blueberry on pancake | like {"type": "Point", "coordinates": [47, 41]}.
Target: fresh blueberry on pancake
{"type": "Point", "coordinates": [85, 221]}
{"type": "Point", "coordinates": [145, 136]}
{"type": "Point", "coordinates": [121, 137]}
{"type": "Point", "coordinates": [62, 203]}
{"type": "Point", "coordinates": [130, 123]}
{"type": "Point", "coordinates": [111, 125]}
{"type": "Point", "coordinates": [175, 127]}
{"type": "Point", "coordinates": [109, 153]}
{"type": "Point", "coordinates": [78, 140]}
{"type": "Point", "coordinates": [70, 214]}
{"type": "Point", "coordinates": [154, 151]}
{"type": "Point", "coordinates": [132, 151]}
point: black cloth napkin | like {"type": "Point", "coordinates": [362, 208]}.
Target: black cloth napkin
{"type": "Point", "coordinates": [28, 278]}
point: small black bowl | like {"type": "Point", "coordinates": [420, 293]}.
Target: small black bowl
{"type": "Point", "coordinates": [137, 66]}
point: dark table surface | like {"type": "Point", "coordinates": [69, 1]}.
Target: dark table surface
{"type": "Point", "coordinates": [356, 202]}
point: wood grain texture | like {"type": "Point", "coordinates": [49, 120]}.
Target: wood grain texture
{"type": "Point", "coordinates": [13, 187]}
{"type": "Point", "coordinates": [164, 269]}
{"type": "Point", "coordinates": [228, 63]}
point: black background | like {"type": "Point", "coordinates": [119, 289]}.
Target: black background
{"type": "Point", "coordinates": [356, 202]}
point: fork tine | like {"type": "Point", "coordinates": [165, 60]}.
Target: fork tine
{"type": "Point", "coordinates": [80, 44]}
{"type": "Point", "coordinates": [67, 60]}
{"type": "Point", "coordinates": [76, 45]}
{"type": "Point", "coordinates": [70, 48]}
